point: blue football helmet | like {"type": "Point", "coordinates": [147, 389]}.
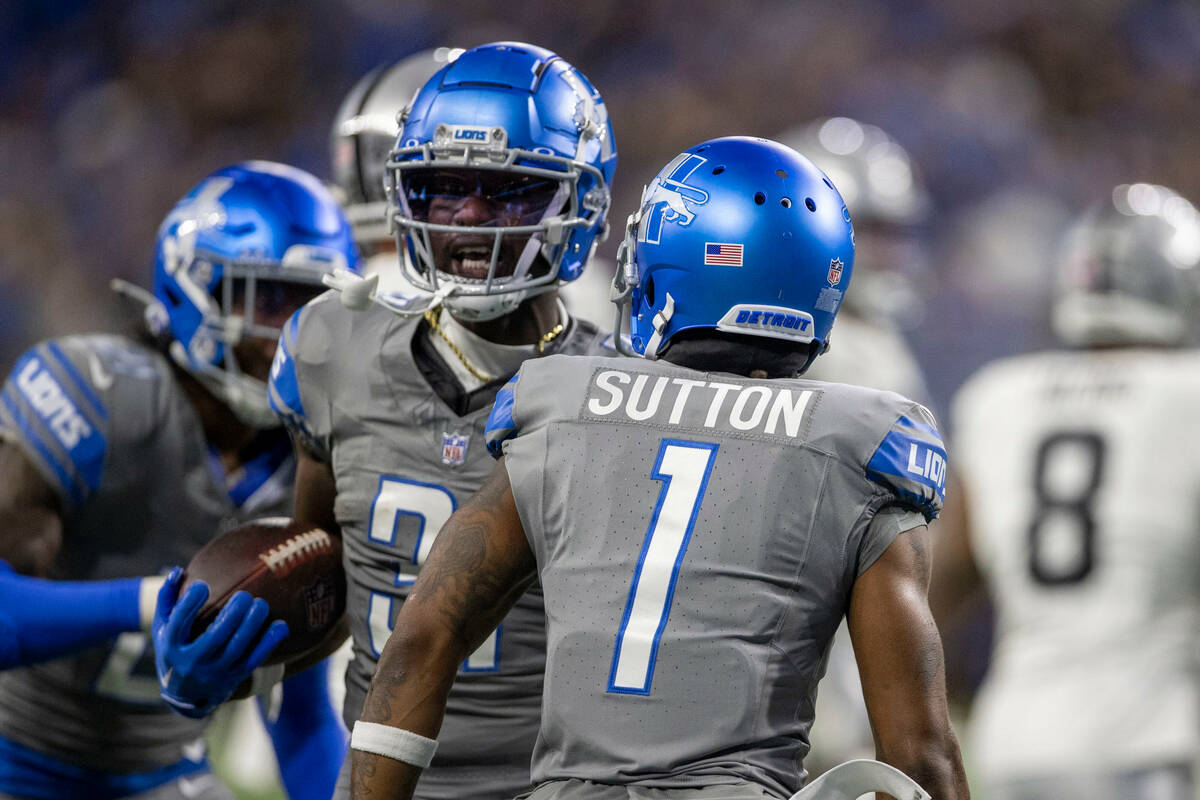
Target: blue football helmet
{"type": "Point", "coordinates": [1129, 272]}
{"type": "Point", "coordinates": [740, 235]}
{"type": "Point", "coordinates": [499, 183]}
{"type": "Point", "coordinates": [234, 258]}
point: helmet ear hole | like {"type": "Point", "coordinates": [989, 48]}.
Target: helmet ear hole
{"type": "Point", "coordinates": [650, 290]}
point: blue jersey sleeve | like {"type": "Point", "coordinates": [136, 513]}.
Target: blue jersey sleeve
{"type": "Point", "coordinates": [284, 393]}
{"type": "Point", "coordinates": [911, 463]}
{"type": "Point", "coordinates": [501, 426]}
{"type": "Point", "coordinates": [52, 406]}
{"type": "Point", "coordinates": [42, 619]}
{"type": "Point", "coordinates": [308, 735]}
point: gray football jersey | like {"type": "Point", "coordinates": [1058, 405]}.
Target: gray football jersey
{"type": "Point", "coordinates": [106, 423]}
{"type": "Point", "coordinates": [349, 386]}
{"type": "Point", "coordinates": [697, 537]}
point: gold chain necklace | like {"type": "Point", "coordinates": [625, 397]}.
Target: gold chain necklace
{"type": "Point", "coordinates": [431, 316]}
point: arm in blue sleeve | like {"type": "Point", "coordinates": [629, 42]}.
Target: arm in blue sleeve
{"type": "Point", "coordinates": [308, 735]}
{"type": "Point", "coordinates": [42, 619]}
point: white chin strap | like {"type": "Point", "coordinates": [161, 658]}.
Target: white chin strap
{"type": "Point", "coordinates": [853, 779]}
{"type": "Point", "coordinates": [357, 293]}
{"type": "Point", "coordinates": [661, 319]}
{"type": "Point", "coordinates": [245, 396]}
{"type": "Point", "coordinates": [482, 307]}
{"type": "Point", "coordinates": [478, 308]}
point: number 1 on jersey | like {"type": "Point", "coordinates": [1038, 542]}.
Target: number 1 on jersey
{"type": "Point", "coordinates": [684, 468]}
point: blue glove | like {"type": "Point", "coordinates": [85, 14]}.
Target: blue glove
{"type": "Point", "coordinates": [198, 676]}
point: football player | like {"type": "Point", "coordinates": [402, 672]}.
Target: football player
{"type": "Point", "coordinates": [1078, 513]}
{"type": "Point", "coordinates": [698, 521]}
{"type": "Point", "coordinates": [363, 134]}
{"type": "Point", "coordinates": [499, 190]}
{"type": "Point", "coordinates": [887, 202]}
{"type": "Point", "coordinates": [122, 456]}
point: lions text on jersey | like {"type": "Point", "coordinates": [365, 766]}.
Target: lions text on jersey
{"type": "Point", "coordinates": [109, 427]}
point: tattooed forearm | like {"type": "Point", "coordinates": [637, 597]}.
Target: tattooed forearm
{"type": "Point", "coordinates": [363, 767]}
{"type": "Point", "coordinates": [480, 563]}
{"type": "Point", "coordinates": [373, 777]}
{"type": "Point", "coordinates": [478, 567]}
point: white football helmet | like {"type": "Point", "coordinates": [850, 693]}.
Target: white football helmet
{"type": "Point", "coordinates": [364, 132]}
{"type": "Point", "coordinates": [887, 202]}
{"type": "Point", "coordinates": [1130, 271]}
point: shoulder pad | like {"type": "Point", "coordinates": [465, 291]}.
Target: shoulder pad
{"type": "Point", "coordinates": [910, 462]}
{"type": "Point", "coordinates": [54, 404]}
{"type": "Point", "coordinates": [501, 426]}
{"type": "Point", "coordinates": [283, 387]}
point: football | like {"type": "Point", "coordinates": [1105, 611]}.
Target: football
{"type": "Point", "coordinates": [296, 568]}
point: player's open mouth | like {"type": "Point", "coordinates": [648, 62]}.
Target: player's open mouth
{"type": "Point", "coordinates": [471, 261]}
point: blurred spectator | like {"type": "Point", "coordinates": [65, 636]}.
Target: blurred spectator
{"type": "Point", "coordinates": [111, 110]}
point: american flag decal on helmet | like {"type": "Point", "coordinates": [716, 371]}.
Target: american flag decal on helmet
{"type": "Point", "coordinates": [722, 254]}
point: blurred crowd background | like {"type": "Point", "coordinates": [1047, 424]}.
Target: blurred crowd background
{"type": "Point", "coordinates": [1018, 114]}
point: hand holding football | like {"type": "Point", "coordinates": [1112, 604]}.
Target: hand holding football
{"type": "Point", "coordinates": [296, 569]}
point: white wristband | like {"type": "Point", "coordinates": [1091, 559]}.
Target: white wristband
{"type": "Point", "coordinates": [396, 743]}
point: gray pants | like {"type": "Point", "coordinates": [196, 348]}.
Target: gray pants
{"type": "Point", "coordinates": [586, 790]}
{"type": "Point", "coordinates": [196, 786]}
{"type": "Point", "coordinates": [1168, 782]}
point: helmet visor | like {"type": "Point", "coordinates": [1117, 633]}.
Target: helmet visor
{"type": "Point", "coordinates": [500, 199]}
{"type": "Point", "coordinates": [266, 304]}
{"type": "Point", "coordinates": [465, 207]}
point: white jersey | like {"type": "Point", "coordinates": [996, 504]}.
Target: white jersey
{"type": "Point", "coordinates": [1084, 485]}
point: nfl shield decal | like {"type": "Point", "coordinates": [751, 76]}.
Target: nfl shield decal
{"type": "Point", "coordinates": [835, 271]}
{"type": "Point", "coordinates": [454, 448]}
{"type": "Point", "coordinates": [320, 602]}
